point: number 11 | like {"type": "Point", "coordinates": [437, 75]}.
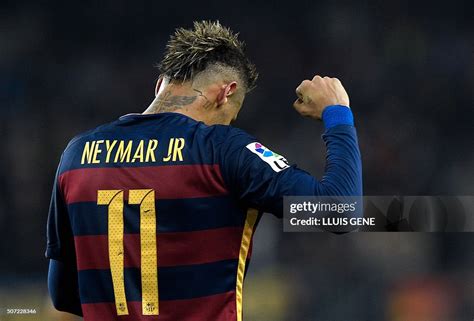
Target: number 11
{"type": "Point", "coordinates": [149, 267]}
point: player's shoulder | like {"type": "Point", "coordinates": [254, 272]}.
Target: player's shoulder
{"type": "Point", "coordinates": [88, 134]}
{"type": "Point", "coordinates": [226, 135]}
{"type": "Point", "coordinates": [76, 144]}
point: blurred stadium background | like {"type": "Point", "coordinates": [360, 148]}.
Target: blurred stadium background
{"type": "Point", "coordinates": [408, 67]}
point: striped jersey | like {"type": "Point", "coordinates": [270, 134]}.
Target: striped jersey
{"type": "Point", "coordinates": [158, 211]}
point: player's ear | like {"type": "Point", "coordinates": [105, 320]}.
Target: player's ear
{"type": "Point", "coordinates": [225, 92]}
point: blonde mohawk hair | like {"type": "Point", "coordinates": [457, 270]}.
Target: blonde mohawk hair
{"type": "Point", "coordinates": [191, 51]}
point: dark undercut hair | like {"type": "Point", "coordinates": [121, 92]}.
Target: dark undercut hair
{"type": "Point", "coordinates": [192, 51]}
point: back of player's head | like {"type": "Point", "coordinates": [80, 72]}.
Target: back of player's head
{"type": "Point", "coordinates": [208, 47]}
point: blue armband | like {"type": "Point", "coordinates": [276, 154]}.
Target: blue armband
{"type": "Point", "coordinates": [337, 115]}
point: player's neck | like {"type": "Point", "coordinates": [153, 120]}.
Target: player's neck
{"type": "Point", "coordinates": [180, 104]}
{"type": "Point", "coordinates": [188, 101]}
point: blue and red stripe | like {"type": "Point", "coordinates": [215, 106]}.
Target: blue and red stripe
{"type": "Point", "coordinates": [218, 307]}
{"type": "Point", "coordinates": [169, 182]}
{"type": "Point", "coordinates": [173, 248]}
{"type": "Point", "coordinates": [177, 282]}
{"type": "Point", "coordinates": [87, 218]}
{"type": "Point", "coordinates": [199, 232]}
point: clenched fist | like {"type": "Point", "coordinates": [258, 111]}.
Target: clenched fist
{"type": "Point", "coordinates": [315, 95]}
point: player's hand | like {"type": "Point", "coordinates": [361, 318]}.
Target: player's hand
{"type": "Point", "coordinates": [317, 94]}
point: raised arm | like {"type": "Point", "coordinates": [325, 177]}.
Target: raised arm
{"type": "Point", "coordinates": [326, 99]}
{"type": "Point", "coordinates": [260, 178]}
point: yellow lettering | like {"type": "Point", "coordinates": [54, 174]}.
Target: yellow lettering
{"type": "Point", "coordinates": [138, 153]}
{"type": "Point", "coordinates": [87, 152]}
{"type": "Point", "coordinates": [170, 149]}
{"type": "Point", "coordinates": [178, 147]}
{"type": "Point", "coordinates": [123, 152]}
{"type": "Point", "coordinates": [152, 145]}
{"type": "Point", "coordinates": [97, 151]}
{"type": "Point", "coordinates": [175, 150]}
{"type": "Point", "coordinates": [109, 147]}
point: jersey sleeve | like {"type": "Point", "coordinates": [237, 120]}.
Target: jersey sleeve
{"type": "Point", "coordinates": [260, 178]}
{"type": "Point", "coordinates": [60, 239]}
